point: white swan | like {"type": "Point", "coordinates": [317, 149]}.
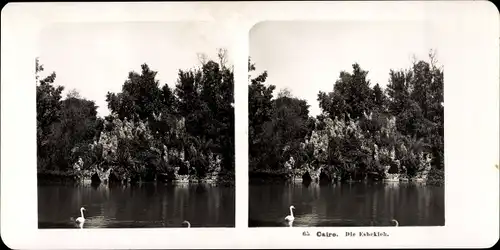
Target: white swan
{"type": "Point", "coordinates": [290, 217]}
{"type": "Point", "coordinates": [187, 222]}
{"type": "Point", "coordinates": [82, 218]}
{"type": "Point", "coordinates": [395, 221]}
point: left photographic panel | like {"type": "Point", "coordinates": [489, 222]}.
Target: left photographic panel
{"type": "Point", "coordinates": [135, 126]}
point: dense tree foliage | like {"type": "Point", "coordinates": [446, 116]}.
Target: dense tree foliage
{"type": "Point", "coordinates": [62, 124]}
{"type": "Point", "coordinates": [151, 129]}
{"type": "Point", "coordinates": [188, 129]}
{"type": "Point", "coordinates": [277, 125]}
{"type": "Point", "coordinates": [260, 110]}
{"type": "Point", "coordinates": [364, 131]}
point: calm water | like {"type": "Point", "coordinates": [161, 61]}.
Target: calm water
{"type": "Point", "coordinates": [357, 204]}
{"type": "Point", "coordinates": [151, 205]}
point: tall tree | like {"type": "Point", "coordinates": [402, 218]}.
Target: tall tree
{"type": "Point", "coordinates": [140, 97]}
{"type": "Point", "coordinates": [63, 125]}
{"type": "Point", "coordinates": [260, 108]}
{"type": "Point", "coordinates": [48, 107]}
{"type": "Point", "coordinates": [288, 127]}
{"type": "Point", "coordinates": [205, 99]}
{"type": "Point", "coordinates": [398, 90]}
{"type": "Point", "coordinates": [351, 96]}
{"type": "Point", "coordinates": [78, 127]}
{"type": "Point", "coordinates": [379, 98]}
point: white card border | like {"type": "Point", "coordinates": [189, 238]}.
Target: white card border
{"type": "Point", "coordinates": [469, 54]}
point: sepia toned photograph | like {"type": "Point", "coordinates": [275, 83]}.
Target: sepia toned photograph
{"type": "Point", "coordinates": [346, 125]}
{"type": "Point", "coordinates": [135, 126]}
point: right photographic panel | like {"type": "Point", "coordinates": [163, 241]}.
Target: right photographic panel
{"type": "Point", "coordinates": [345, 125]}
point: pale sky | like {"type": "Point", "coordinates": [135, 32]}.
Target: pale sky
{"type": "Point", "coordinates": [96, 58]}
{"type": "Point", "coordinates": [307, 57]}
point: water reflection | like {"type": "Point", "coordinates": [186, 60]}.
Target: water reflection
{"type": "Point", "coordinates": [145, 205]}
{"type": "Point", "coordinates": [353, 204]}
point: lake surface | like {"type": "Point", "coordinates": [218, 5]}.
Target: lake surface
{"type": "Point", "coordinates": [355, 204]}
{"type": "Point", "coordinates": [141, 206]}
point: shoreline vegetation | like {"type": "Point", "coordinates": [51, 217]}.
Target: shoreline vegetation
{"type": "Point", "coordinates": [153, 133]}
{"type": "Point", "coordinates": [364, 132]}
